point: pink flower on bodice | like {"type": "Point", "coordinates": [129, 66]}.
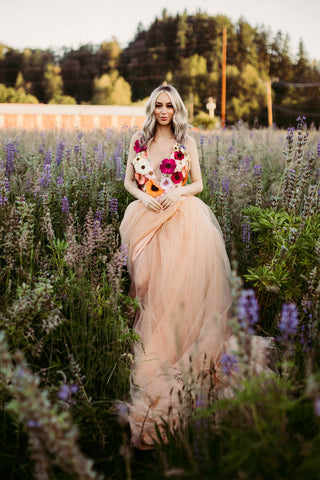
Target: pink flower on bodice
{"type": "Point", "coordinates": [138, 148]}
{"type": "Point", "coordinates": [167, 165]}
{"type": "Point", "coordinates": [177, 177]}
{"type": "Point", "coordinates": [178, 155]}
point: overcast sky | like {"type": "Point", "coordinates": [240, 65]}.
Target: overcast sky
{"type": "Point", "coordinates": [70, 23]}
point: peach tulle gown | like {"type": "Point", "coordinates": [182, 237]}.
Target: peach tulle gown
{"type": "Point", "coordinates": [179, 269]}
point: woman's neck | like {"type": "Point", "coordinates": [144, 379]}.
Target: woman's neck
{"type": "Point", "coordinates": [163, 132]}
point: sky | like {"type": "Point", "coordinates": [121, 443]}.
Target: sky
{"type": "Point", "coordinates": [71, 23]}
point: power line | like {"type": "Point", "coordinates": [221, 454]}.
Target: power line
{"type": "Point", "coordinates": [294, 84]}
{"type": "Point", "coordinates": [295, 112]}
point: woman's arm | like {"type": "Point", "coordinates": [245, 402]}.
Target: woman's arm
{"type": "Point", "coordinates": [196, 185]}
{"type": "Point", "coordinates": [130, 184]}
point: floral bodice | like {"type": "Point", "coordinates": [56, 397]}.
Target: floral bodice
{"type": "Point", "coordinates": [174, 170]}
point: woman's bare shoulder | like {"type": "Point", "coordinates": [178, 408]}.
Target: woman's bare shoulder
{"type": "Point", "coordinates": [136, 136]}
{"type": "Point", "coordinates": [190, 143]}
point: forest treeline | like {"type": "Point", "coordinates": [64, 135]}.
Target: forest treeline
{"type": "Point", "coordinates": [185, 50]}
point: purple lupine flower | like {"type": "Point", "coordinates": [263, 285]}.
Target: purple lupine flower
{"type": "Point", "coordinates": [3, 201]}
{"type": "Point", "coordinates": [229, 363]}
{"type": "Point", "coordinates": [74, 388]}
{"type": "Point", "coordinates": [246, 232]}
{"type": "Point", "coordinates": [248, 310]}
{"type": "Point", "coordinates": [124, 251]}
{"type": "Point", "coordinates": [245, 164]}
{"type": "Point", "coordinates": [59, 181]}
{"type": "Point", "coordinates": [99, 151]}
{"type": "Point", "coordinates": [76, 149]}
{"type": "Point", "coordinates": [113, 206]}
{"type": "Point", "coordinates": [47, 158]}
{"type": "Point", "coordinates": [109, 134]}
{"type": "Point", "coordinates": [66, 391]}
{"type": "Point", "coordinates": [98, 216]}
{"type": "Point", "coordinates": [202, 139]}
{"type": "Point", "coordinates": [318, 149]}
{"type": "Point", "coordinates": [84, 156]}
{"type": "Point", "coordinates": [257, 170]}
{"type": "Point", "coordinates": [290, 133]}
{"type": "Point", "coordinates": [117, 157]}
{"type": "Point", "coordinates": [11, 150]}
{"type": "Point", "coordinates": [46, 177]}
{"type": "Point", "coordinates": [33, 424]}
{"type": "Point", "coordinates": [317, 406]}
{"type": "Point", "coordinates": [225, 186]}
{"type": "Point", "coordinates": [59, 153]}
{"type": "Point", "coordinates": [65, 205]}
{"type": "Point", "coordinates": [289, 320]}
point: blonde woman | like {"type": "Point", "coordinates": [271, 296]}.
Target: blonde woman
{"type": "Point", "coordinates": [178, 266]}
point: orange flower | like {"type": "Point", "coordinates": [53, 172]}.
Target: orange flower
{"type": "Point", "coordinates": [153, 189]}
{"type": "Point", "coordinates": [141, 179]}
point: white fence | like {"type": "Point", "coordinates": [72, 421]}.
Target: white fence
{"type": "Point", "coordinates": [40, 116]}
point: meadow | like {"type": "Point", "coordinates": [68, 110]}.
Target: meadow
{"type": "Point", "coordinates": [66, 320]}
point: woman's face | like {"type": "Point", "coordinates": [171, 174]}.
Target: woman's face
{"type": "Point", "coordinates": [163, 109]}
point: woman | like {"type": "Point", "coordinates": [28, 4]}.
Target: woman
{"type": "Point", "coordinates": [177, 263]}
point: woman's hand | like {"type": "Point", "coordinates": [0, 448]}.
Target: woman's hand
{"type": "Point", "coordinates": [170, 198]}
{"type": "Point", "coordinates": [151, 203]}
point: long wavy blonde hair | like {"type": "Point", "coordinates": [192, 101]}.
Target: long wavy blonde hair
{"type": "Point", "coordinates": [179, 120]}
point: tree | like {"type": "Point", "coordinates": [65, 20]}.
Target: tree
{"type": "Point", "coordinates": [111, 89]}
{"type": "Point", "coordinates": [53, 83]}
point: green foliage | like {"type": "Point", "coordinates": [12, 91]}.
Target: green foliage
{"type": "Point", "coordinates": [285, 253]}
{"type": "Point", "coordinates": [203, 120]}
{"type": "Point", "coordinates": [11, 95]}
{"type": "Point", "coordinates": [111, 90]}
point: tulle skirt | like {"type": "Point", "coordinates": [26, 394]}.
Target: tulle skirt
{"type": "Point", "coordinates": [180, 271]}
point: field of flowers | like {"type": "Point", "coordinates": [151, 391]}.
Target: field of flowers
{"type": "Point", "coordinates": [66, 320]}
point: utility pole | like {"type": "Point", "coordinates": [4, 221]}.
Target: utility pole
{"type": "Point", "coordinates": [269, 95]}
{"type": "Point", "coordinates": [223, 80]}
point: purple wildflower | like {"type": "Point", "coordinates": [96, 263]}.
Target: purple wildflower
{"type": "Point", "coordinates": [66, 391]}
{"type": "Point", "coordinates": [98, 216]}
{"type": "Point", "coordinates": [59, 181]}
{"type": "Point", "coordinates": [3, 201]}
{"type": "Point", "coordinates": [289, 320]}
{"type": "Point", "coordinates": [46, 176]}
{"type": "Point", "coordinates": [246, 235]}
{"type": "Point", "coordinates": [290, 132]}
{"type": "Point", "coordinates": [65, 205]}
{"type": "Point", "coordinates": [229, 363]}
{"type": "Point", "coordinates": [225, 186]}
{"type": "Point", "coordinates": [257, 170]}
{"type": "Point", "coordinates": [59, 153]}
{"type": "Point", "coordinates": [317, 406]}
{"type": "Point", "coordinates": [33, 424]}
{"type": "Point", "coordinates": [11, 150]}
{"type": "Point", "coordinates": [117, 157]}
{"type": "Point", "coordinates": [248, 310]}
{"type": "Point", "coordinates": [113, 206]}
{"type": "Point", "coordinates": [76, 149]}
{"type": "Point", "coordinates": [202, 139]}
{"type": "Point", "coordinates": [124, 251]}
{"type": "Point", "coordinates": [318, 149]}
